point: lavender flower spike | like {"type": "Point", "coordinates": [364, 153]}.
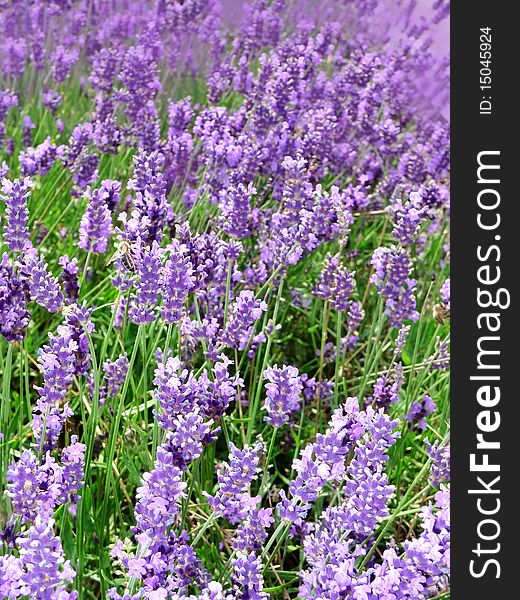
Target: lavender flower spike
{"type": "Point", "coordinates": [96, 224]}
{"type": "Point", "coordinates": [43, 286]}
{"type": "Point", "coordinates": [15, 194]}
{"type": "Point", "coordinates": [283, 394]}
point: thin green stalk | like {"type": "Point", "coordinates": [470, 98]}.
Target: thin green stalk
{"type": "Point", "coordinates": [255, 404]}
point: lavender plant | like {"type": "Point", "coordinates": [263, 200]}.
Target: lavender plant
{"type": "Point", "coordinates": [224, 301]}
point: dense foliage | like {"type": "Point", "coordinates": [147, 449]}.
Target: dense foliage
{"type": "Point", "coordinates": [224, 300]}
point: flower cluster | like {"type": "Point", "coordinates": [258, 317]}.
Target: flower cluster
{"type": "Point", "coordinates": [256, 194]}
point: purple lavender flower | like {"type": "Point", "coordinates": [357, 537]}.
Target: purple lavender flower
{"type": "Point", "coordinates": [440, 456]}
{"type": "Point", "coordinates": [336, 283]}
{"type": "Point", "coordinates": [235, 210]}
{"type": "Point", "coordinates": [28, 126]}
{"type": "Point", "coordinates": [386, 390]}
{"type": "Point", "coordinates": [141, 83]}
{"type": "Point", "coordinates": [419, 411]}
{"type": "Point", "coordinates": [243, 313]}
{"type": "Point", "coordinates": [43, 286]}
{"type": "Point", "coordinates": [408, 217]}
{"type": "Point", "coordinates": [392, 273]}
{"type": "Point", "coordinates": [104, 68]}
{"type": "Point", "coordinates": [282, 394]}
{"type": "Point", "coordinates": [62, 61]}
{"type": "Point", "coordinates": [14, 55]}
{"type": "Point", "coordinates": [39, 160]}
{"type": "Point", "coordinates": [36, 488]}
{"type": "Point", "coordinates": [158, 496]}
{"type": "Point", "coordinates": [252, 532]}
{"type": "Point", "coordinates": [149, 185]}
{"type": "Point", "coordinates": [111, 191]}
{"type": "Point", "coordinates": [69, 278]}
{"type": "Point", "coordinates": [400, 340]}
{"type": "Point", "coordinates": [177, 279]}
{"type": "Point", "coordinates": [84, 171]}
{"type": "Point", "coordinates": [440, 359]}
{"type": "Point", "coordinates": [78, 325]}
{"type": "Point", "coordinates": [107, 135]}
{"type": "Point", "coordinates": [445, 293]}
{"type": "Point", "coordinates": [247, 577]}
{"type": "Point", "coordinates": [56, 362]}
{"type": "Point", "coordinates": [324, 460]}
{"type": "Point", "coordinates": [52, 100]}
{"type": "Point", "coordinates": [44, 571]}
{"type": "Point", "coordinates": [233, 501]}
{"type": "Point", "coordinates": [143, 303]}
{"type": "Point", "coordinates": [28, 485]}
{"type": "Point", "coordinates": [15, 194]}
{"type": "Point", "coordinates": [79, 141]}
{"type": "Point", "coordinates": [115, 374]}
{"type": "Point", "coordinates": [312, 388]}
{"type": "Point", "coordinates": [14, 316]}
{"type": "Point", "coordinates": [72, 472]}
{"type": "Point", "coordinates": [96, 224]}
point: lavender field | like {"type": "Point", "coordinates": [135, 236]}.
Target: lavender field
{"type": "Point", "coordinates": [224, 300]}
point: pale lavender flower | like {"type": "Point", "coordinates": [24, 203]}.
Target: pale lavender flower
{"type": "Point", "coordinates": [283, 394]}
{"type": "Point", "coordinates": [232, 500]}
{"type": "Point", "coordinates": [243, 313]}
{"type": "Point", "coordinates": [14, 316]}
{"type": "Point", "coordinates": [408, 217]}
{"type": "Point", "coordinates": [445, 293]}
{"type": "Point", "coordinates": [44, 570]}
{"type": "Point", "coordinates": [177, 279]}
{"type": "Point", "coordinates": [235, 210]}
{"type": "Point", "coordinates": [440, 456]}
{"type": "Point", "coordinates": [393, 269]}
{"type": "Point", "coordinates": [96, 224]}
{"type": "Point", "coordinates": [400, 340]}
